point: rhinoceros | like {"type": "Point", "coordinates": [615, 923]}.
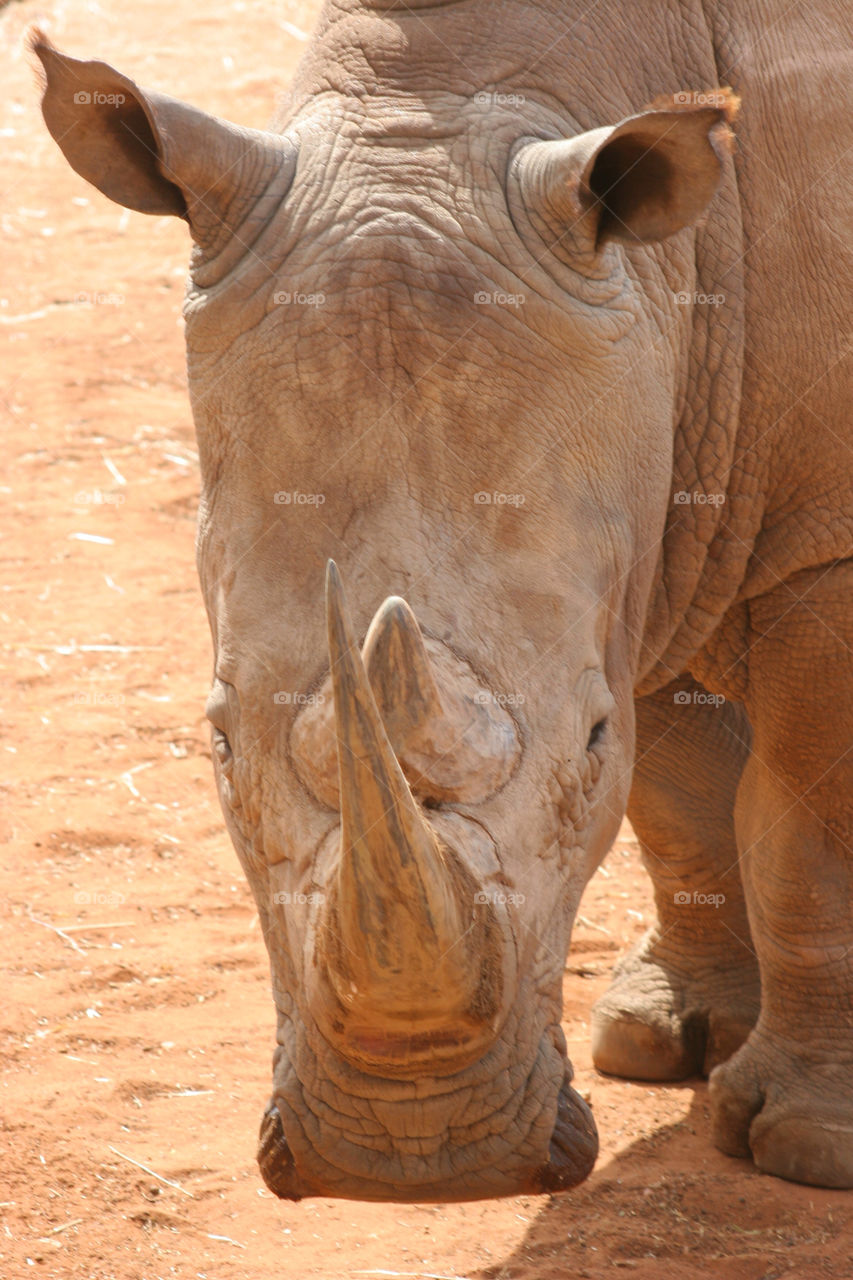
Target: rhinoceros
{"type": "Point", "coordinates": [498, 327]}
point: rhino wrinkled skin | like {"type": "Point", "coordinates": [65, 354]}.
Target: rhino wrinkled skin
{"type": "Point", "coordinates": [516, 318]}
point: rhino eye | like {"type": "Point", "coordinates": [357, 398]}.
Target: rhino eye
{"type": "Point", "coordinates": [222, 748]}
{"type": "Point", "coordinates": [225, 757]}
{"type": "Point", "coordinates": [216, 707]}
{"type": "Point", "coordinates": [596, 734]}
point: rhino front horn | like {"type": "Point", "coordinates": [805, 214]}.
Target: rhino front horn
{"type": "Point", "coordinates": [408, 963]}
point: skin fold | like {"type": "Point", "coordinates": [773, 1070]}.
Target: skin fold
{"type": "Point", "coordinates": [499, 316]}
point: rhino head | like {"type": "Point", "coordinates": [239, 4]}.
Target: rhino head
{"type": "Point", "coordinates": [440, 347]}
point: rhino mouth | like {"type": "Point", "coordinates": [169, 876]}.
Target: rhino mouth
{"type": "Point", "coordinates": [571, 1156]}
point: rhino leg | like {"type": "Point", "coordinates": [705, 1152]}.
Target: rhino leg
{"type": "Point", "coordinates": [786, 1097]}
{"type": "Point", "coordinates": [686, 996]}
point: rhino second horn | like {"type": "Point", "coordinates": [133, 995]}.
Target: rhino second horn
{"type": "Point", "coordinates": [453, 740]}
{"type": "Point", "coordinates": [400, 948]}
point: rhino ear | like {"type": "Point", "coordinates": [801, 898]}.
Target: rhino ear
{"type": "Point", "coordinates": [640, 181]}
{"type": "Point", "coordinates": [150, 152]}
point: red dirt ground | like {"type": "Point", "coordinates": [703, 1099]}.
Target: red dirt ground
{"type": "Point", "coordinates": [140, 1035]}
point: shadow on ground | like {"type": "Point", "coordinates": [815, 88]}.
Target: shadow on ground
{"type": "Point", "coordinates": [671, 1205]}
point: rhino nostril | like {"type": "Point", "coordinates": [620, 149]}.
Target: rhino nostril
{"type": "Point", "coordinates": [574, 1144]}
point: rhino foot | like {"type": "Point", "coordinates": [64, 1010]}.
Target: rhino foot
{"type": "Point", "coordinates": [656, 1023]}
{"type": "Point", "coordinates": [789, 1109]}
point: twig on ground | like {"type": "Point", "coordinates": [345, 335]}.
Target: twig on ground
{"type": "Point", "coordinates": [176, 1186]}
{"type": "Point", "coordinates": [45, 924]}
{"type": "Point", "coordinates": [63, 1226]}
{"type": "Point", "coordinates": [590, 924]}
{"type": "Point", "coordinates": [227, 1239]}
